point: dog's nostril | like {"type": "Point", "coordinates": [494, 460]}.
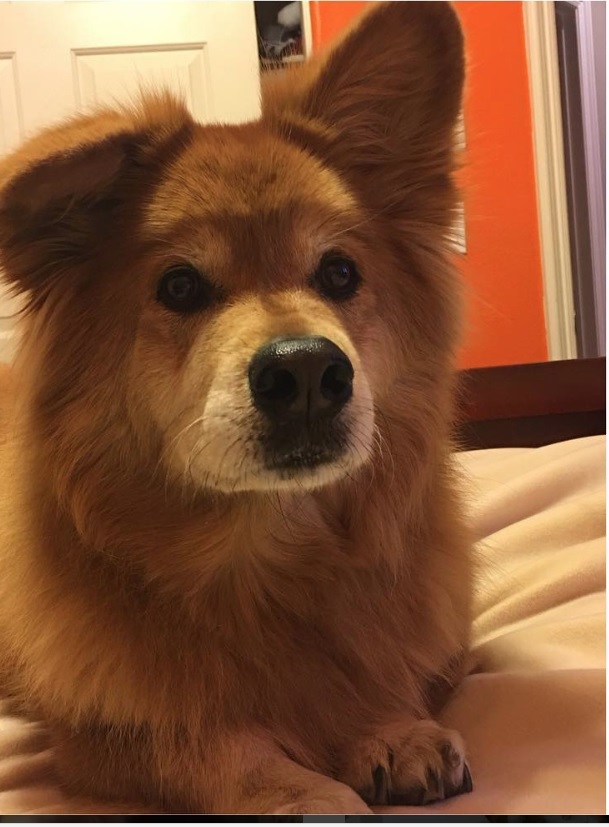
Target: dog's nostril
{"type": "Point", "coordinates": [276, 384]}
{"type": "Point", "coordinates": [337, 382]}
{"type": "Point", "coordinates": [301, 378]}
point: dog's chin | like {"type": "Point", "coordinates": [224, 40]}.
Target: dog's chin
{"type": "Point", "coordinates": [299, 471]}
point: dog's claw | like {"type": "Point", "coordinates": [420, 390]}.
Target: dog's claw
{"type": "Point", "coordinates": [468, 785]}
{"type": "Point", "coordinates": [381, 785]}
{"type": "Point", "coordinates": [436, 790]}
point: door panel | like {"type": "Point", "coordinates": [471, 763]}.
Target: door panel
{"type": "Point", "coordinates": [11, 129]}
{"type": "Point", "coordinates": [72, 54]}
{"type": "Point", "coordinates": [104, 76]}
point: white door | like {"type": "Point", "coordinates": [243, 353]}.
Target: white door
{"type": "Point", "coordinates": [57, 58]}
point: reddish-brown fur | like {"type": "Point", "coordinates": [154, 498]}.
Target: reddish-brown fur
{"type": "Point", "coordinates": [192, 648]}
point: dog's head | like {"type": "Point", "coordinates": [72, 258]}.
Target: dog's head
{"type": "Point", "coordinates": [237, 302]}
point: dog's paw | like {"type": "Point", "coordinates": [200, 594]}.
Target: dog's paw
{"type": "Point", "coordinates": [416, 763]}
{"type": "Point", "coordinates": [331, 799]}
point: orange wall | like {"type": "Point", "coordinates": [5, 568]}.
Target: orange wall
{"type": "Point", "coordinates": [502, 266]}
{"type": "Point", "coordinates": [329, 17]}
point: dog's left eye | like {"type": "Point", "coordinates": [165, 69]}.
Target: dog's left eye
{"type": "Point", "coordinates": [183, 289]}
{"type": "Point", "coordinates": [336, 277]}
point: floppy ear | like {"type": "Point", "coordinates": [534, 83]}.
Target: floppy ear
{"type": "Point", "coordinates": [382, 105]}
{"type": "Point", "coordinates": [56, 187]}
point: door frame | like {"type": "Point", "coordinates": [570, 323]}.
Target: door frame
{"type": "Point", "coordinates": [594, 231]}
{"type": "Point", "coordinates": [544, 82]}
{"type": "Point", "coordinates": [593, 154]}
{"type": "Point", "coordinates": [307, 28]}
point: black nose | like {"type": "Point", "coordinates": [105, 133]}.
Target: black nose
{"type": "Point", "coordinates": [306, 378]}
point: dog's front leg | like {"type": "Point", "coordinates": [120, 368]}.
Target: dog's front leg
{"type": "Point", "coordinates": [251, 774]}
{"type": "Point", "coordinates": [222, 774]}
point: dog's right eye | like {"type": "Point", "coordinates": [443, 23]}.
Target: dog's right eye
{"type": "Point", "coordinates": [336, 277]}
{"type": "Point", "coordinates": [183, 289]}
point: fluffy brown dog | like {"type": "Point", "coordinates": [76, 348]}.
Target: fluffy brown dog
{"type": "Point", "coordinates": [233, 568]}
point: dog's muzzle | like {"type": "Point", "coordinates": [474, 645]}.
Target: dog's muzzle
{"type": "Point", "coordinates": [301, 385]}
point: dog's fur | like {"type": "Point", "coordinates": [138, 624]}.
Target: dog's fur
{"type": "Point", "coordinates": [199, 633]}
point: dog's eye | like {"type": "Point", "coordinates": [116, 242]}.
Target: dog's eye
{"type": "Point", "coordinates": [336, 277]}
{"type": "Point", "coordinates": [183, 290]}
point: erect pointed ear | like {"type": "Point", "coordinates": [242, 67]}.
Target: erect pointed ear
{"type": "Point", "coordinates": [385, 98]}
{"type": "Point", "coordinates": [53, 185]}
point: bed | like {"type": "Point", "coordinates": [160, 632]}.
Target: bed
{"type": "Point", "coordinates": [533, 708]}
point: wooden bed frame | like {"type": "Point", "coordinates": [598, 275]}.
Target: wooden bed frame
{"type": "Point", "coordinates": [531, 405]}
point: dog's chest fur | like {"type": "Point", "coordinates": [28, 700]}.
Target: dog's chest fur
{"type": "Point", "coordinates": [303, 628]}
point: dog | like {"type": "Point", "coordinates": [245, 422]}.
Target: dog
{"type": "Point", "coordinates": [235, 572]}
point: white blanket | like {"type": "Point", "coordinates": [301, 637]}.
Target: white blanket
{"type": "Point", "coordinates": [533, 710]}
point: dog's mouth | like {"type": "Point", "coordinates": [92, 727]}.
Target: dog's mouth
{"type": "Point", "coordinates": [306, 455]}
{"type": "Point", "coordinates": [293, 448]}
